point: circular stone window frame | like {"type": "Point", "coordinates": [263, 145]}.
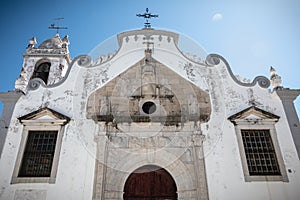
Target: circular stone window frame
{"type": "Point", "coordinates": [145, 101]}
{"type": "Point", "coordinates": [149, 107]}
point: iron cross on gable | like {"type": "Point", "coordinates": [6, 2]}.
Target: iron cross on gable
{"type": "Point", "coordinates": [147, 16]}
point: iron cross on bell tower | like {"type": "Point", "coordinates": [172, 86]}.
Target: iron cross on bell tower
{"type": "Point", "coordinates": [147, 16]}
{"type": "Point", "coordinates": [57, 27]}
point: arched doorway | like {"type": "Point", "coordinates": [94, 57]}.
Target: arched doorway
{"type": "Point", "coordinates": [150, 183]}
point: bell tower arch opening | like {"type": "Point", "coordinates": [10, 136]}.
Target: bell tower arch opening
{"type": "Point", "coordinates": [42, 71]}
{"type": "Point", "coordinates": [150, 182]}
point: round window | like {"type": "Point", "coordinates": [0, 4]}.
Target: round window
{"type": "Point", "coordinates": [149, 107]}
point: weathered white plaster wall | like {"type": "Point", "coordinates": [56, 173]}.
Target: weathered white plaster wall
{"type": "Point", "coordinates": [76, 167]}
{"type": "Point", "coordinates": [222, 156]}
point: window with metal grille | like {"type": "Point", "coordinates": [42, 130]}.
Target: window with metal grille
{"type": "Point", "coordinates": [38, 155]}
{"type": "Point", "coordinates": [260, 153]}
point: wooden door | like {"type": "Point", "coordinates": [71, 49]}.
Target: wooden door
{"type": "Point", "coordinates": [150, 183]}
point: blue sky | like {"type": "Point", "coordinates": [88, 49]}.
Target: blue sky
{"type": "Point", "coordinates": [252, 35]}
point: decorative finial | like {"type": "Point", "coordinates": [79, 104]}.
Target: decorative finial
{"type": "Point", "coordinates": [147, 16]}
{"type": "Point", "coordinates": [275, 79]}
{"type": "Point", "coordinates": [272, 71]}
{"type": "Point", "coordinates": [65, 41]}
{"type": "Point", "coordinates": [57, 27]}
{"type": "Point", "coordinates": [32, 42]}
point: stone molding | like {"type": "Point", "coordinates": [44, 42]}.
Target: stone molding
{"type": "Point", "coordinates": [258, 119]}
{"type": "Point", "coordinates": [287, 94]}
{"type": "Point", "coordinates": [147, 32]}
{"type": "Point", "coordinates": [215, 59]}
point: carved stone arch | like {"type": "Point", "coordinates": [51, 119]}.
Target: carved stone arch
{"type": "Point", "coordinates": [183, 176]}
{"type": "Point", "coordinates": [42, 60]}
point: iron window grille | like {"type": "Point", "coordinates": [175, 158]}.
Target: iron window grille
{"type": "Point", "coordinates": [39, 153]}
{"type": "Point", "coordinates": [260, 153]}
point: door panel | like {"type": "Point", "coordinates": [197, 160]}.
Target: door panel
{"type": "Point", "coordinates": [150, 183]}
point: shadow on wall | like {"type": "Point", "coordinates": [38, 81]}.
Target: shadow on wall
{"type": "Point", "coordinates": [1, 108]}
{"type": "Point", "coordinates": [297, 106]}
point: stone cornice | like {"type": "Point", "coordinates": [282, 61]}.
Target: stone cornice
{"type": "Point", "coordinates": [34, 117]}
{"type": "Point", "coordinates": [46, 53]}
{"type": "Point", "coordinates": [10, 96]}
{"type": "Point", "coordinates": [147, 32]}
{"type": "Point", "coordinates": [287, 94]}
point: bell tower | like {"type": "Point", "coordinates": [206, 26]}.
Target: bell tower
{"type": "Point", "coordinates": [46, 63]}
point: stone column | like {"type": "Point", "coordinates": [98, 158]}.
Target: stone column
{"type": "Point", "coordinates": [199, 163]}
{"type": "Point", "coordinates": [287, 97]}
{"type": "Point", "coordinates": [100, 169]}
{"type": "Point", "coordinates": [9, 100]}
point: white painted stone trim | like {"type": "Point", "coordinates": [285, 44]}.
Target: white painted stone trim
{"type": "Point", "coordinates": [45, 126]}
{"type": "Point", "coordinates": [260, 126]}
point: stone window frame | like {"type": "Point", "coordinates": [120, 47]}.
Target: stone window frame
{"type": "Point", "coordinates": [40, 125]}
{"type": "Point", "coordinates": [260, 152]}
{"type": "Point", "coordinates": [264, 121]}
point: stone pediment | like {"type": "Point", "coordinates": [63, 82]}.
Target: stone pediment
{"type": "Point", "coordinates": [44, 115]}
{"type": "Point", "coordinates": [253, 113]}
{"type": "Point", "coordinates": [149, 92]}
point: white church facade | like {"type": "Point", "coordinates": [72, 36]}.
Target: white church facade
{"type": "Point", "coordinates": [147, 121]}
